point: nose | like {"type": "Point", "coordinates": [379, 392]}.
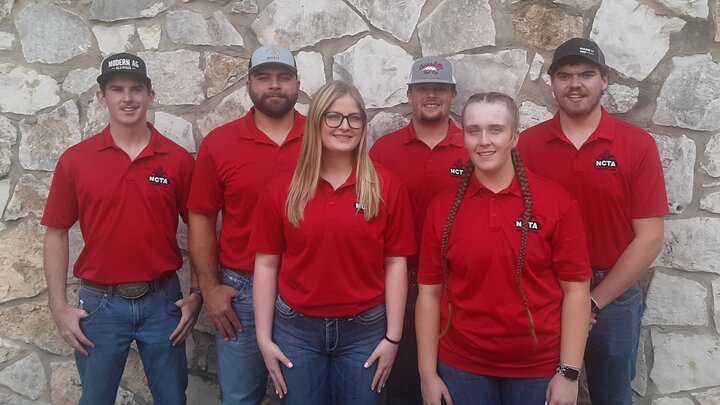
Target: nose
{"type": "Point", "coordinates": [575, 81]}
{"type": "Point", "coordinates": [484, 138]}
{"type": "Point", "coordinates": [274, 82]}
{"type": "Point", "coordinates": [344, 123]}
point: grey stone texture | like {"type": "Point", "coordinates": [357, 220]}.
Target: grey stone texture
{"type": "Point", "coordinates": [5, 8]}
{"type": "Point", "coordinates": [299, 23]}
{"type": "Point", "coordinates": [176, 76]}
{"type": "Point", "coordinates": [26, 377]}
{"type": "Point", "coordinates": [384, 123]}
{"type": "Point", "coordinates": [65, 383]}
{"type": "Point", "coordinates": [665, 292]}
{"type": "Point", "coordinates": [684, 362]}
{"type": "Point", "coordinates": [150, 36]}
{"type": "Point", "coordinates": [396, 17]}
{"type": "Point", "coordinates": [640, 382]}
{"type": "Point", "coordinates": [581, 4]}
{"type": "Point", "coordinates": [456, 25]}
{"type": "Point", "coordinates": [4, 196]}
{"type": "Point", "coordinates": [369, 59]}
{"type": "Point", "coordinates": [67, 37]}
{"type": "Point", "coordinates": [97, 118]}
{"type": "Point", "coordinates": [547, 27]}
{"type": "Point", "coordinates": [191, 28]}
{"type": "Point", "coordinates": [716, 19]}
{"type": "Point", "coordinates": [311, 71]}
{"type": "Point", "coordinates": [532, 114]}
{"type": "Point", "coordinates": [620, 99]}
{"type": "Point", "coordinates": [710, 201]}
{"type": "Point", "coordinates": [716, 305]}
{"type": "Point", "coordinates": [8, 350]}
{"type": "Point", "coordinates": [114, 39]}
{"type": "Point", "coordinates": [46, 137]}
{"type": "Point", "coordinates": [177, 129]}
{"type": "Point", "coordinates": [245, 7]}
{"type": "Point", "coordinates": [678, 159]}
{"type": "Point", "coordinates": [711, 156]}
{"type": "Point", "coordinates": [690, 97]}
{"type": "Point", "coordinates": [38, 91]}
{"type": "Point", "coordinates": [22, 278]}
{"type": "Point", "coordinates": [79, 81]}
{"type": "Point", "coordinates": [230, 108]}
{"type": "Point", "coordinates": [222, 71]}
{"type": "Point", "coordinates": [650, 31]}
{"type": "Point", "coordinates": [9, 399]}
{"type": "Point", "coordinates": [112, 10]}
{"type": "Point", "coordinates": [691, 245]}
{"type": "Point", "coordinates": [28, 198]}
{"type": "Point", "coordinates": [8, 137]}
{"type": "Point", "coordinates": [690, 8]}
{"type": "Point", "coordinates": [7, 40]}
{"type": "Point", "coordinates": [536, 66]}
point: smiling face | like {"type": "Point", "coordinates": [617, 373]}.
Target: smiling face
{"type": "Point", "coordinates": [344, 138]}
{"type": "Point", "coordinates": [273, 89]}
{"type": "Point", "coordinates": [127, 98]}
{"type": "Point", "coordinates": [490, 135]}
{"type": "Point", "coordinates": [578, 88]}
{"type": "Point", "coordinates": [431, 102]}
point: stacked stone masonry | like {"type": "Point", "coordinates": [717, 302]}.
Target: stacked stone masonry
{"type": "Point", "coordinates": [665, 78]}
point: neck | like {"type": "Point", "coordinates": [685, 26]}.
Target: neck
{"type": "Point", "coordinates": [496, 181]}
{"type": "Point", "coordinates": [335, 168]}
{"type": "Point", "coordinates": [431, 133]}
{"type": "Point", "coordinates": [131, 139]}
{"type": "Point", "coordinates": [579, 128]}
{"type": "Point", "coordinates": [276, 129]}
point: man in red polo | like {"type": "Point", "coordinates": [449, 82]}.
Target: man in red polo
{"type": "Point", "coordinates": [126, 186]}
{"type": "Point", "coordinates": [613, 169]}
{"type": "Point", "coordinates": [234, 164]}
{"type": "Point", "coordinates": [428, 155]}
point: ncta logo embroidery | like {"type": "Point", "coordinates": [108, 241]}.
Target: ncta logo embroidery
{"type": "Point", "coordinates": [457, 169]}
{"type": "Point", "coordinates": [159, 177]}
{"type": "Point", "coordinates": [533, 225]}
{"type": "Point", "coordinates": [359, 208]}
{"type": "Point", "coordinates": [606, 161]}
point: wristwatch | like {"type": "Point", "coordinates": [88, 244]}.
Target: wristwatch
{"type": "Point", "coordinates": [594, 308]}
{"type": "Point", "coordinates": [569, 372]}
{"type": "Point", "coordinates": [195, 290]}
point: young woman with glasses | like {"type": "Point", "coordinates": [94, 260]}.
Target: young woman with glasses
{"type": "Point", "coordinates": [504, 306]}
{"type": "Point", "coordinates": [330, 271]}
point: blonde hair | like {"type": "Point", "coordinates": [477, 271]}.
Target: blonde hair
{"type": "Point", "coordinates": [307, 173]}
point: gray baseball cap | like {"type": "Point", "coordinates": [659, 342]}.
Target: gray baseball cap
{"type": "Point", "coordinates": [432, 69]}
{"type": "Point", "coordinates": [271, 54]}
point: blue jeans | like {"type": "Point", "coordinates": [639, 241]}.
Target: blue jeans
{"type": "Point", "coordinates": [474, 389]}
{"type": "Point", "coordinates": [328, 355]}
{"type": "Point", "coordinates": [403, 386]}
{"type": "Point", "coordinates": [611, 351]}
{"type": "Point", "coordinates": [113, 322]}
{"type": "Point", "coordinates": [241, 368]}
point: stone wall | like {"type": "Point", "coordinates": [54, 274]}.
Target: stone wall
{"type": "Point", "coordinates": [665, 79]}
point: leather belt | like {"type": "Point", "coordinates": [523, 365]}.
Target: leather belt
{"type": "Point", "coordinates": [597, 277]}
{"type": "Point", "coordinates": [130, 290]}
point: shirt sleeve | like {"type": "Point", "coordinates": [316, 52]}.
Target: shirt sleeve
{"type": "Point", "coordinates": [61, 209]}
{"type": "Point", "coordinates": [570, 257]}
{"type": "Point", "coordinates": [186, 169]}
{"type": "Point", "coordinates": [400, 234]}
{"type": "Point", "coordinates": [267, 234]}
{"type": "Point", "coordinates": [206, 188]}
{"type": "Point", "coordinates": [430, 268]}
{"type": "Point", "coordinates": [648, 193]}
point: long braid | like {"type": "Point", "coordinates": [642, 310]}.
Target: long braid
{"type": "Point", "coordinates": [462, 187]}
{"type": "Point", "coordinates": [526, 216]}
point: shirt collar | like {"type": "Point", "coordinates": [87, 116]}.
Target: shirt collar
{"type": "Point", "coordinates": [252, 132]}
{"type": "Point", "coordinates": [475, 187]}
{"type": "Point", "coordinates": [454, 135]}
{"type": "Point", "coordinates": [157, 142]}
{"type": "Point", "coordinates": [605, 129]}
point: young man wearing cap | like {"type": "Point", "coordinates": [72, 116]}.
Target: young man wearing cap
{"type": "Point", "coordinates": [126, 187]}
{"type": "Point", "coordinates": [613, 169]}
{"type": "Point", "coordinates": [428, 155]}
{"type": "Point", "coordinates": [234, 164]}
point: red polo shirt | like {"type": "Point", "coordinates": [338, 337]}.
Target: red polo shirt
{"type": "Point", "coordinates": [334, 263]}
{"type": "Point", "coordinates": [490, 334]}
{"type": "Point", "coordinates": [235, 163]}
{"type": "Point", "coordinates": [616, 175]}
{"type": "Point", "coordinates": [424, 171]}
{"type": "Point", "coordinates": [128, 209]}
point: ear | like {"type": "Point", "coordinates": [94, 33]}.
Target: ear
{"type": "Point", "coordinates": [514, 140]}
{"type": "Point", "coordinates": [101, 97]}
{"type": "Point", "coordinates": [604, 83]}
{"type": "Point", "coordinates": [151, 97]}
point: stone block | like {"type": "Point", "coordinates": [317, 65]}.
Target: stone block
{"type": "Point", "coordinates": [678, 160]}
{"type": "Point", "coordinates": [711, 157]}
{"type": "Point", "coordinates": [177, 129]}
{"type": "Point", "coordinates": [65, 385]}
{"type": "Point", "coordinates": [28, 198]}
{"type": "Point", "coordinates": [691, 245]}
{"type": "Point", "coordinates": [46, 137]}
{"type": "Point", "coordinates": [456, 25]}
{"type": "Point", "coordinates": [8, 137]}
{"type": "Point", "coordinates": [113, 10]}
{"type": "Point", "coordinates": [5, 8]}
{"type": "Point", "coordinates": [716, 19]}
{"type": "Point", "coordinates": [134, 378]}
{"type": "Point", "coordinates": [66, 37]}
{"type": "Point", "coordinates": [96, 118]}
{"type": "Point", "coordinates": [639, 384]}
{"type": "Point", "coordinates": [150, 36]}
{"type": "Point", "coordinates": [245, 7]}
{"type": "Point", "coordinates": [9, 399]}
{"type": "Point", "coordinates": [79, 81]}
{"type": "Point", "coordinates": [21, 268]}
{"type": "Point", "coordinates": [673, 401]}
{"type": "Point", "coordinates": [299, 23]}
{"type": "Point", "coordinates": [230, 108]}
{"type": "Point", "coordinates": [396, 17]}
{"type": "Point", "coordinates": [684, 362]}
{"type": "Point", "coordinates": [114, 39]}
{"type": "Point", "coordinates": [25, 376]}
{"type": "Point", "coordinates": [620, 99]}
{"type": "Point", "coordinates": [311, 71]}
{"type": "Point", "coordinates": [202, 392]}
{"type": "Point", "coordinates": [532, 114]}
{"type": "Point", "coordinates": [177, 78]}
{"type": "Point", "coordinates": [689, 8]}
{"type": "Point", "coordinates": [664, 293]}
{"type": "Point", "coordinates": [708, 397]}
{"type": "Point", "coordinates": [581, 4]}
{"type": "Point", "coordinates": [385, 122]}
{"type": "Point", "coordinates": [690, 96]}
{"type": "Point", "coordinates": [710, 201]}
{"type": "Point", "coordinates": [222, 71]}
{"type": "Point", "coordinates": [6, 41]}
{"type": "Point", "coordinates": [650, 32]}
{"type": "Point", "coordinates": [370, 59]}
{"type": "Point", "coordinates": [547, 27]}
{"type": "Point", "coordinates": [8, 350]}
{"type": "Point", "coordinates": [27, 92]}
{"type": "Point", "coordinates": [536, 66]}
{"type": "Point", "coordinates": [716, 305]}
{"type": "Point", "coordinates": [187, 27]}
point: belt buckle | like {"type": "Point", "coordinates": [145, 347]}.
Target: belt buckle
{"type": "Point", "coordinates": [132, 290]}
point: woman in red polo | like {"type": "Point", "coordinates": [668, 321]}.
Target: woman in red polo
{"type": "Point", "coordinates": [330, 275]}
{"type": "Point", "coordinates": [504, 305]}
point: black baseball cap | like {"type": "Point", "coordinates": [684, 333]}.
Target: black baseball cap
{"type": "Point", "coordinates": [579, 47]}
{"type": "Point", "coordinates": [122, 63]}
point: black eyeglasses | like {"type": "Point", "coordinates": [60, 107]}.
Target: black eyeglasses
{"type": "Point", "coordinates": [334, 120]}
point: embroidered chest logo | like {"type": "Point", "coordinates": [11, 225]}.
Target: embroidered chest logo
{"type": "Point", "coordinates": [606, 161]}
{"type": "Point", "coordinates": [533, 224]}
{"type": "Point", "coordinates": [158, 177]}
{"type": "Point", "coordinates": [359, 208]}
{"type": "Point", "coordinates": [457, 169]}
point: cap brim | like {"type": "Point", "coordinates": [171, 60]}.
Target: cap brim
{"type": "Point", "coordinates": [439, 81]}
{"type": "Point", "coordinates": [106, 76]}
{"type": "Point", "coordinates": [559, 62]}
{"type": "Point", "coordinates": [285, 65]}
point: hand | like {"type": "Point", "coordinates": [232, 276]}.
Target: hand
{"type": "Point", "coordinates": [593, 320]}
{"type": "Point", "coordinates": [67, 319]}
{"type": "Point", "coordinates": [273, 356]}
{"type": "Point", "coordinates": [561, 391]}
{"type": "Point", "coordinates": [190, 309]}
{"type": "Point", "coordinates": [218, 305]}
{"type": "Point", "coordinates": [434, 391]}
{"type": "Point", "coordinates": [384, 354]}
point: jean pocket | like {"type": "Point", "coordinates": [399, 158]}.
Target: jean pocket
{"type": "Point", "coordinates": [283, 309]}
{"type": "Point", "coordinates": [631, 295]}
{"type": "Point", "coordinates": [372, 315]}
{"type": "Point", "coordinates": [239, 283]}
{"type": "Point", "coordinates": [91, 302]}
{"type": "Point", "coordinates": [171, 292]}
